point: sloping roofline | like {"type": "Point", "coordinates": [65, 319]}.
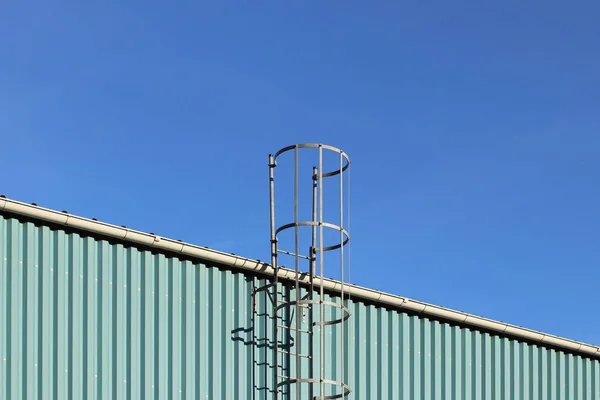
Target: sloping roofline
{"type": "Point", "coordinates": [8, 206]}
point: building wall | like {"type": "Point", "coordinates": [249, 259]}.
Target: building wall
{"type": "Point", "coordinates": [82, 318]}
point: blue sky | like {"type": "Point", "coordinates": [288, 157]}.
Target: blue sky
{"type": "Point", "coordinates": [473, 129]}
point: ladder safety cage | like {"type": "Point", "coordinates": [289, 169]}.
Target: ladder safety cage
{"type": "Point", "coordinates": [313, 381]}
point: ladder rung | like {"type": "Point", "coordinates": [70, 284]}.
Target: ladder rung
{"type": "Point", "coordinates": [294, 354]}
{"type": "Point", "coordinates": [293, 329]}
{"type": "Point", "coordinates": [293, 254]}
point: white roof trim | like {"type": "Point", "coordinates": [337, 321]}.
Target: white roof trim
{"type": "Point", "coordinates": [384, 299]}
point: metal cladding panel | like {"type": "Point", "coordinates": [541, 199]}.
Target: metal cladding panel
{"type": "Point", "coordinates": [82, 318]}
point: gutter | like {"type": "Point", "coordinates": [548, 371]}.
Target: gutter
{"type": "Point", "coordinates": [242, 263]}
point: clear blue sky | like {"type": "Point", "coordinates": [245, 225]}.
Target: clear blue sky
{"type": "Point", "coordinates": [474, 131]}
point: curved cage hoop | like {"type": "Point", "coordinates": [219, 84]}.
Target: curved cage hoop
{"type": "Point", "coordinates": [316, 225]}
{"type": "Point", "coordinates": [328, 382]}
{"type": "Point", "coordinates": [344, 309]}
{"type": "Point", "coordinates": [343, 168]}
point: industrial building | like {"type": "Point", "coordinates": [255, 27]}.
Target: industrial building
{"type": "Point", "coordinates": [90, 310]}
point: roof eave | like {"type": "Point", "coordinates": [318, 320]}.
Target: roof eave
{"type": "Point", "coordinates": [256, 266]}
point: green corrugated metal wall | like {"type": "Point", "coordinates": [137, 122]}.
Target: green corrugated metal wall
{"type": "Point", "coordinates": [81, 318]}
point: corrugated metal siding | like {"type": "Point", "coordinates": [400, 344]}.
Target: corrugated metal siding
{"type": "Point", "coordinates": [82, 318]}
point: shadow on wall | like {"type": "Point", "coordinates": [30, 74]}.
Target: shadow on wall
{"type": "Point", "coordinates": [259, 336]}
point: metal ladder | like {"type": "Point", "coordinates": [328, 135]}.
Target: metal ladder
{"type": "Point", "coordinates": [290, 331]}
{"type": "Point", "coordinates": [297, 327]}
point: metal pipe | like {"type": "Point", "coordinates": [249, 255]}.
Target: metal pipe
{"type": "Point", "coordinates": [313, 268]}
{"type": "Point", "coordinates": [297, 267]}
{"type": "Point", "coordinates": [321, 267]}
{"type": "Point", "coordinates": [275, 267]}
{"type": "Point", "coordinates": [343, 365]}
{"type": "Point", "coordinates": [348, 227]}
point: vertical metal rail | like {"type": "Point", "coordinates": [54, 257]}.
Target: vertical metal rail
{"type": "Point", "coordinates": [275, 267]}
{"type": "Point", "coordinates": [313, 267]}
{"type": "Point", "coordinates": [313, 270]}
{"type": "Point", "coordinates": [342, 261]}
{"type": "Point", "coordinates": [349, 271]}
{"type": "Point", "coordinates": [350, 348]}
{"type": "Point", "coordinates": [321, 266]}
{"type": "Point", "coordinates": [297, 268]}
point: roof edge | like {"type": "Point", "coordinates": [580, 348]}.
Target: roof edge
{"type": "Point", "coordinates": [385, 299]}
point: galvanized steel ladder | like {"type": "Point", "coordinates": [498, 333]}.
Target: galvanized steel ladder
{"type": "Point", "coordinates": [297, 318]}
